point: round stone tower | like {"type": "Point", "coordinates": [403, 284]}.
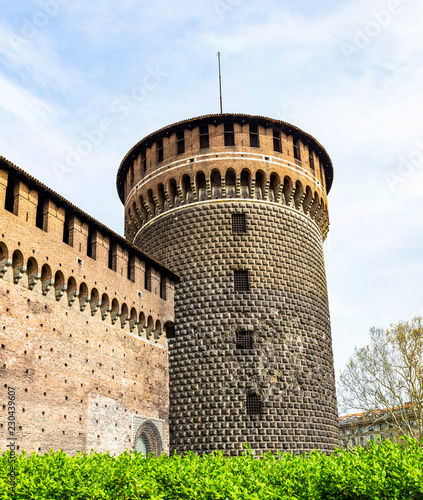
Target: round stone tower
{"type": "Point", "coordinates": [237, 205]}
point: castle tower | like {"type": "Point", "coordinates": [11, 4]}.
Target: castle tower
{"type": "Point", "coordinates": [237, 206]}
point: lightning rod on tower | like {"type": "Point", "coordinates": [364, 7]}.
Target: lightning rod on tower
{"type": "Point", "coordinates": [220, 84]}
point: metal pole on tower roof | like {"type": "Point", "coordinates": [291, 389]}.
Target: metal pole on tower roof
{"type": "Point", "coordinates": [220, 84]}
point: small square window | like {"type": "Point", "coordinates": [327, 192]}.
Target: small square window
{"type": "Point", "coordinates": [254, 404]}
{"type": "Point", "coordinates": [239, 223]}
{"type": "Point", "coordinates": [241, 281]}
{"type": "Point", "coordinates": [244, 339]}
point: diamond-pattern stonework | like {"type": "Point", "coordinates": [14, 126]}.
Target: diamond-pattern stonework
{"type": "Point", "coordinates": [290, 365]}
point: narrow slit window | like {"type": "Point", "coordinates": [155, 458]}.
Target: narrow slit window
{"type": "Point", "coordinates": [159, 150]}
{"type": "Point", "coordinates": [180, 140]}
{"type": "Point", "coordinates": [277, 142]}
{"type": "Point", "coordinates": [113, 256]}
{"type": "Point", "coordinates": [131, 176]}
{"type": "Point", "coordinates": [131, 268]}
{"type": "Point", "coordinates": [147, 278]}
{"type": "Point", "coordinates": [204, 136]}
{"type": "Point", "coordinates": [311, 160]}
{"type": "Point", "coordinates": [244, 339]}
{"type": "Point", "coordinates": [163, 287]}
{"type": "Point", "coordinates": [297, 152]}
{"type": "Point", "coordinates": [241, 281]}
{"type": "Point", "coordinates": [239, 224]}
{"type": "Point", "coordinates": [254, 136]}
{"type": "Point", "coordinates": [90, 252]}
{"type": "Point", "coordinates": [229, 134]}
{"type": "Point", "coordinates": [254, 404]}
{"type": "Point", "coordinates": [10, 194]}
{"type": "Point", "coordinates": [66, 228]}
{"type": "Point", "coordinates": [144, 161]}
{"type": "Point", "coordinates": [39, 216]}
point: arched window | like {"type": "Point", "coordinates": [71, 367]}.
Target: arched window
{"type": "Point", "coordinates": [72, 291]}
{"type": "Point", "coordinates": [148, 440]}
{"type": "Point", "coordinates": [84, 297]}
{"type": "Point", "coordinates": [162, 198]}
{"type": "Point", "coordinates": [287, 190]}
{"type": "Point", "coordinates": [133, 319]}
{"type": "Point", "coordinates": [201, 186]}
{"type": "Point", "coordinates": [5, 262]}
{"type": "Point", "coordinates": [59, 285]}
{"type": "Point", "coordinates": [230, 184]}
{"type": "Point", "coordinates": [169, 329]}
{"type": "Point", "coordinates": [32, 273]}
{"type": "Point", "coordinates": [245, 184]}
{"type": "Point", "coordinates": [260, 180]}
{"type": "Point", "coordinates": [274, 187]}
{"type": "Point", "coordinates": [173, 192]}
{"type": "Point", "coordinates": [124, 316]}
{"type": "Point", "coordinates": [105, 307]}
{"type": "Point", "coordinates": [95, 301]}
{"type": "Point", "coordinates": [18, 266]}
{"type": "Point", "coordinates": [299, 195]}
{"type": "Point", "coordinates": [114, 313]}
{"type": "Point", "coordinates": [186, 187]}
{"type": "Point", "coordinates": [216, 184]}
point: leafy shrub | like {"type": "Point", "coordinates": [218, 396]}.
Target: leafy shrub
{"type": "Point", "coordinates": [384, 471]}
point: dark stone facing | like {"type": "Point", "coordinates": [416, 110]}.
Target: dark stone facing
{"type": "Point", "coordinates": [286, 308]}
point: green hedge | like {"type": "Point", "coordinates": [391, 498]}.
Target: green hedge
{"type": "Point", "coordinates": [388, 470]}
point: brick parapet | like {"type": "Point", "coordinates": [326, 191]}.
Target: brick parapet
{"type": "Point", "coordinates": [159, 184]}
{"type": "Point", "coordinates": [124, 284]}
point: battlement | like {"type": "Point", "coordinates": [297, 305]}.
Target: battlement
{"type": "Point", "coordinates": [52, 248]}
{"type": "Point", "coordinates": [221, 157]}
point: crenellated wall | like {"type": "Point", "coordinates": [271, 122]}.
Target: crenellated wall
{"type": "Point", "coordinates": [84, 317]}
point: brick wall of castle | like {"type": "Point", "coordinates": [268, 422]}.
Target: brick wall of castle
{"type": "Point", "coordinates": [83, 337]}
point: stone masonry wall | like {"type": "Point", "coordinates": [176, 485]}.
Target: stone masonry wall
{"type": "Point", "coordinates": [290, 365]}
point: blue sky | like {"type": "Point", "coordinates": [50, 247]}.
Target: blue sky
{"type": "Point", "coordinates": [349, 73]}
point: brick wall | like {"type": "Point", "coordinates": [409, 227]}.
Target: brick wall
{"type": "Point", "coordinates": [84, 345]}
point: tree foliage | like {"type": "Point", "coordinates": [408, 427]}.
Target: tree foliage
{"type": "Point", "coordinates": [385, 378]}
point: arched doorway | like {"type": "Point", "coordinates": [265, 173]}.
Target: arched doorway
{"type": "Point", "coordinates": [148, 440]}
